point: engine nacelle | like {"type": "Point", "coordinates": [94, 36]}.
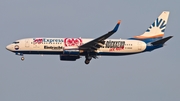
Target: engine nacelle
{"type": "Point", "coordinates": [73, 51]}
{"type": "Point", "coordinates": [68, 58]}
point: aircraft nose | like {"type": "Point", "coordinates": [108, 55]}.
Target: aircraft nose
{"type": "Point", "coordinates": [9, 47]}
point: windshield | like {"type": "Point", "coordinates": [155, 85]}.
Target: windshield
{"type": "Point", "coordinates": [15, 42]}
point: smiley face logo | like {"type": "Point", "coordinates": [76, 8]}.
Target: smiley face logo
{"type": "Point", "coordinates": [16, 47]}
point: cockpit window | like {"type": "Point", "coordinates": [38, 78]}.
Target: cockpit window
{"type": "Point", "coordinates": [16, 42]}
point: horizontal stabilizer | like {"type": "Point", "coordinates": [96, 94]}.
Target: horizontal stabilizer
{"type": "Point", "coordinates": [161, 41]}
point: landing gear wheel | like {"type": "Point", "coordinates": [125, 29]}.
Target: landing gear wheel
{"type": "Point", "coordinates": [87, 61]}
{"type": "Point", "coordinates": [22, 58]}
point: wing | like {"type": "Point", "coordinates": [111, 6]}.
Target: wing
{"type": "Point", "coordinates": [99, 42]}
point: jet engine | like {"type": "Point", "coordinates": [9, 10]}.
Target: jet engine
{"type": "Point", "coordinates": [70, 54]}
{"type": "Point", "coordinates": [68, 58]}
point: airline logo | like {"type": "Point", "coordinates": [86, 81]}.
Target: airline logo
{"type": "Point", "coordinates": [160, 23]}
{"type": "Point", "coordinates": [46, 40]}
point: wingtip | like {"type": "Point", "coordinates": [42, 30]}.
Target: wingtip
{"type": "Point", "coordinates": [117, 26]}
{"type": "Point", "coordinates": [171, 36]}
{"type": "Point", "coordinates": [119, 21]}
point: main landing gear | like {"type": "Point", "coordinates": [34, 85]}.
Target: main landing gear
{"type": "Point", "coordinates": [88, 59]}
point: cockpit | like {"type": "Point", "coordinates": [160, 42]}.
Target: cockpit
{"type": "Point", "coordinates": [16, 42]}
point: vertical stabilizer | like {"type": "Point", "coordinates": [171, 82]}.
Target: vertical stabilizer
{"type": "Point", "coordinates": [157, 29]}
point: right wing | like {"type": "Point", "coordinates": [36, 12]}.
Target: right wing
{"type": "Point", "coordinates": [99, 42]}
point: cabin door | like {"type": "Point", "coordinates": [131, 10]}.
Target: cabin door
{"type": "Point", "coordinates": [139, 46]}
{"type": "Point", "coordinates": [27, 43]}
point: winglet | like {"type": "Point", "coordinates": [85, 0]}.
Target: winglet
{"type": "Point", "coordinates": [117, 26]}
{"type": "Point", "coordinates": [119, 21]}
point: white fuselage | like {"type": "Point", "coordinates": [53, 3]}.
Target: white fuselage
{"type": "Point", "coordinates": [71, 49]}
{"type": "Point", "coordinates": [57, 45]}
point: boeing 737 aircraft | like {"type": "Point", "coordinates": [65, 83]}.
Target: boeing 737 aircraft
{"type": "Point", "coordinates": [71, 49]}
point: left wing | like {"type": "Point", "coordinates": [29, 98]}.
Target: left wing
{"type": "Point", "coordinates": [99, 42]}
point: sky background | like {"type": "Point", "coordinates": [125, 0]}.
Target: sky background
{"type": "Point", "coordinates": [151, 76]}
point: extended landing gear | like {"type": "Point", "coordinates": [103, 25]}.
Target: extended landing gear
{"type": "Point", "coordinates": [20, 54]}
{"type": "Point", "coordinates": [22, 58]}
{"type": "Point", "coordinates": [88, 59]}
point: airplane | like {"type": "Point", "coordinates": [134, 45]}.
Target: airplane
{"type": "Point", "coordinates": [71, 49]}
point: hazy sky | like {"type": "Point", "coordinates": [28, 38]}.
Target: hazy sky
{"type": "Point", "coordinates": [151, 76]}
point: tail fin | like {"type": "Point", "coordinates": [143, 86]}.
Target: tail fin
{"type": "Point", "coordinates": [157, 29]}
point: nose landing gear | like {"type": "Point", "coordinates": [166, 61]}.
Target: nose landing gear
{"type": "Point", "coordinates": [21, 54]}
{"type": "Point", "coordinates": [22, 58]}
